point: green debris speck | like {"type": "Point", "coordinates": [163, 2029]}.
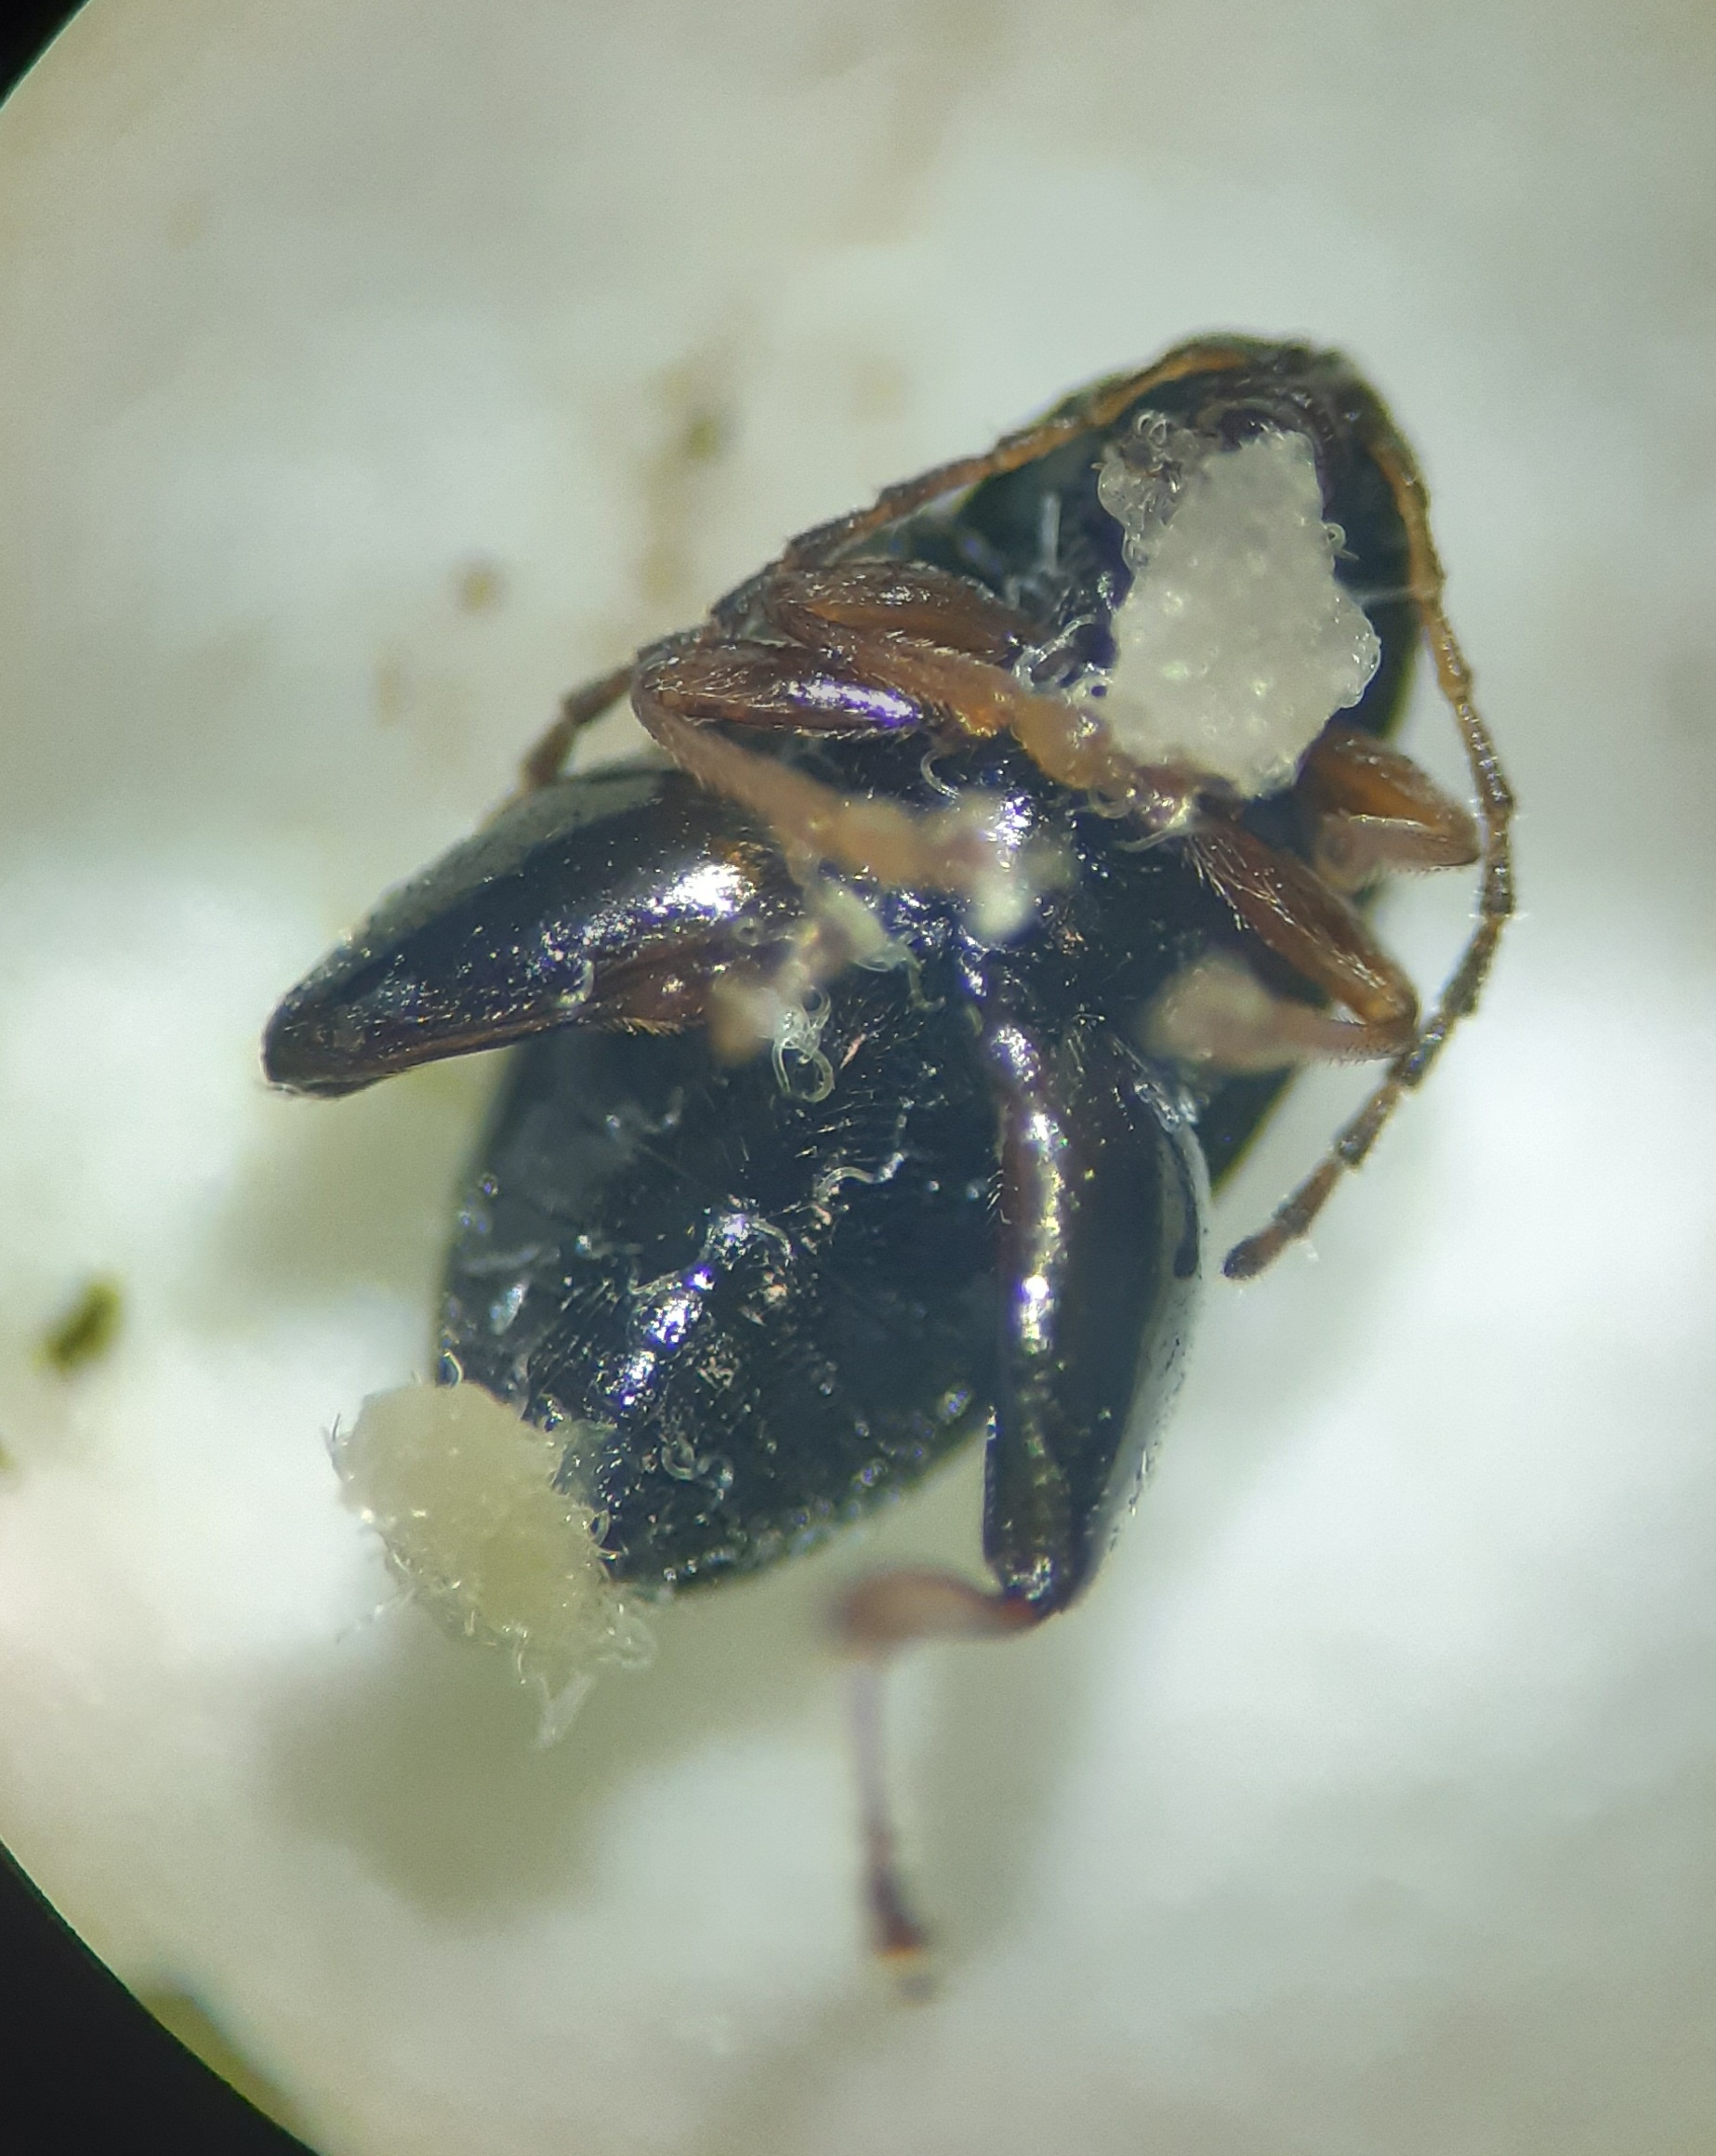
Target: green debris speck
{"type": "Point", "coordinates": [707, 434]}
{"type": "Point", "coordinates": [87, 1330]}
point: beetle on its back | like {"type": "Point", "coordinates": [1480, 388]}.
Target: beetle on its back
{"type": "Point", "coordinates": [882, 1043]}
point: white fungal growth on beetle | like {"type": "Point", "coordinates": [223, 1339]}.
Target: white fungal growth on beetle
{"type": "Point", "coordinates": [788, 1010]}
{"type": "Point", "coordinates": [1236, 643]}
{"type": "Point", "coordinates": [461, 1490]}
{"type": "Point", "coordinates": [1013, 869]}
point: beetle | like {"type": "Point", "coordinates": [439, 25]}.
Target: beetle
{"type": "Point", "coordinates": [1009, 843]}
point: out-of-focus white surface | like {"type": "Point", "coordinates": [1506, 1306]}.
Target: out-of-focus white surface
{"type": "Point", "coordinates": [373, 371]}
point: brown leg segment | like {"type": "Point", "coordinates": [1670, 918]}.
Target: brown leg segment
{"type": "Point", "coordinates": [857, 617]}
{"type": "Point", "coordinates": [543, 764]}
{"type": "Point", "coordinates": [1218, 1013]}
{"type": "Point", "coordinates": [904, 848]}
{"type": "Point", "coordinates": [776, 689]}
{"type": "Point", "coordinates": [981, 696]}
{"type": "Point", "coordinates": [1378, 813]}
{"type": "Point", "coordinates": [1291, 911]}
{"type": "Point", "coordinates": [1096, 407]}
{"type": "Point", "coordinates": [903, 598]}
{"type": "Point", "coordinates": [876, 1619]}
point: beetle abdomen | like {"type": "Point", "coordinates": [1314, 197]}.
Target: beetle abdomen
{"type": "Point", "coordinates": [752, 1315]}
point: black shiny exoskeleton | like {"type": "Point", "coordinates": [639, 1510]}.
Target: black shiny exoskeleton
{"type": "Point", "coordinates": [759, 1293]}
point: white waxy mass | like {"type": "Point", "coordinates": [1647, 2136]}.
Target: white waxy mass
{"type": "Point", "coordinates": [462, 1492]}
{"type": "Point", "coordinates": [1236, 642]}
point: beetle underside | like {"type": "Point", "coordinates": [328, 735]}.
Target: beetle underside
{"type": "Point", "coordinates": [1015, 842]}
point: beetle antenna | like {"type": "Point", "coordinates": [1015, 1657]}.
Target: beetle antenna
{"type": "Point", "coordinates": [1496, 897]}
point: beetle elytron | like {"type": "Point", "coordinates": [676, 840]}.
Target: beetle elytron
{"type": "Point", "coordinates": [1007, 847]}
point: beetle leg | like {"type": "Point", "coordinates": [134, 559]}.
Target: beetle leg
{"type": "Point", "coordinates": [960, 849]}
{"type": "Point", "coordinates": [906, 600]}
{"type": "Point", "coordinates": [901, 847]}
{"type": "Point", "coordinates": [543, 765]}
{"type": "Point", "coordinates": [1297, 917]}
{"type": "Point", "coordinates": [1101, 1239]}
{"type": "Point", "coordinates": [873, 1621]}
{"type": "Point", "coordinates": [1101, 1227]}
{"type": "Point", "coordinates": [613, 900]}
{"type": "Point", "coordinates": [1378, 812]}
{"type": "Point", "coordinates": [676, 694]}
{"type": "Point", "coordinates": [778, 688]}
{"type": "Point", "coordinates": [1098, 406]}
{"type": "Point", "coordinates": [944, 642]}
{"type": "Point", "coordinates": [1218, 1013]}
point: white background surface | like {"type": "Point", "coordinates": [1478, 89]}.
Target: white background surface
{"type": "Point", "coordinates": [1367, 1805]}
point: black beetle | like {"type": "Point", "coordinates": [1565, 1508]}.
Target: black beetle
{"type": "Point", "coordinates": [1028, 964]}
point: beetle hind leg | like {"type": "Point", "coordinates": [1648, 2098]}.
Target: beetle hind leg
{"type": "Point", "coordinates": [873, 1622]}
{"type": "Point", "coordinates": [1100, 1242]}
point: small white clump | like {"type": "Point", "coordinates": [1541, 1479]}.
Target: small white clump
{"type": "Point", "coordinates": [787, 1011]}
{"type": "Point", "coordinates": [1011, 870]}
{"type": "Point", "coordinates": [1236, 643]}
{"type": "Point", "coordinates": [461, 1490]}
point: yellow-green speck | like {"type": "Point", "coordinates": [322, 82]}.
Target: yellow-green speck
{"type": "Point", "coordinates": [87, 1329]}
{"type": "Point", "coordinates": [707, 434]}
